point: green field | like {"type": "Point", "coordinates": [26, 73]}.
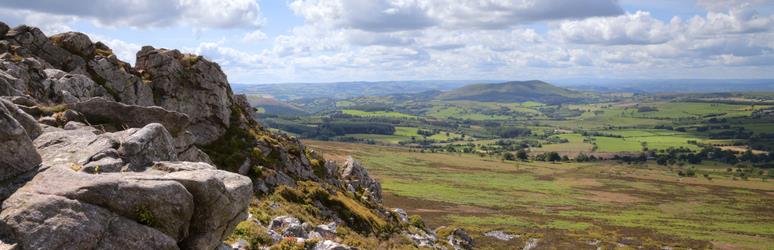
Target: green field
{"type": "Point", "coordinates": [570, 204]}
{"type": "Point", "coordinates": [482, 111]}
{"type": "Point", "coordinates": [575, 145]}
{"type": "Point", "coordinates": [390, 114]}
{"type": "Point", "coordinates": [404, 134]}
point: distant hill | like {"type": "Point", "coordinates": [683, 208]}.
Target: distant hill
{"type": "Point", "coordinates": [516, 91]}
{"type": "Point", "coordinates": [347, 90]}
{"type": "Point", "coordinates": [670, 85]}
{"type": "Point", "coordinates": [273, 106]}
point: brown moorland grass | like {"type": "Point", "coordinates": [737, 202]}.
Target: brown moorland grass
{"type": "Point", "coordinates": [572, 204]}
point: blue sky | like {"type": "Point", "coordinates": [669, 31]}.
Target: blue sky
{"type": "Point", "coordinates": [271, 41]}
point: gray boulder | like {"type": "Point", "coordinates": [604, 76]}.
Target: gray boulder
{"type": "Point", "coordinates": [220, 197]}
{"type": "Point", "coordinates": [326, 231]}
{"type": "Point", "coordinates": [122, 80]}
{"type": "Point", "coordinates": [17, 152]}
{"type": "Point", "coordinates": [3, 29]}
{"type": "Point", "coordinates": [29, 123]}
{"type": "Point", "coordinates": [72, 88]}
{"type": "Point", "coordinates": [21, 100]}
{"type": "Point", "coordinates": [34, 43]}
{"type": "Point", "coordinates": [78, 147]}
{"type": "Point", "coordinates": [42, 221]}
{"type": "Point", "coordinates": [278, 224]}
{"type": "Point", "coordinates": [75, 42]}
{"type": "Point", "coordinates": [330, 245]}
{"type": "Point", "coordinates": [500, 235]}
{"type": "Point", "coordinates": [171, 205]}
{"type": "Point", "coordinates": [164, 205]}
{"type": "Point", "coordinates": [151, 143]}
{"type": "Point", "coordinates": [100, 110]}
{"type": "Point", "coordinates": [460, 240]}
{"type": "Point", "coordinates": [74, 148]}
{"type": "Point", "coordinates": [23, 76]}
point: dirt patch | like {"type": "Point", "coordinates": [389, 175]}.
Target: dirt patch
{"type": "Point", "coordinates": [545, 178]}
{"type": "Point", "coordinates": [724, 246]}
{"type": "Point", "coordinates": [603, 196]}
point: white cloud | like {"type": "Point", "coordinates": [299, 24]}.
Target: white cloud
{"type": "Point", "coordinates": [151, 13]}
{"type": "Point", "coordinates": [736, 20]}
{"type": "Point", "coordinates": [396, 15]}
{"type": "Point", "coordinates": [438, 39]}
{"type": "Point", "coordinates": [254, 36]}
{"type": "Point", "coordinates": [724, 5]}
{"type": "Point", "coordinates": [49, 24]}
{"type": "Point", "coordinates": [497, 14]}
{"type": "Point", "coordinates": [637, 28]}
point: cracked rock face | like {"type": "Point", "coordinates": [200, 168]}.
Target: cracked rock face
{"type": "Point", "coordinates": [190, 85]}
{"type": "Point", "coordinates": [105, 170]}
{"type": "Point", "coordinates": [163, 205]}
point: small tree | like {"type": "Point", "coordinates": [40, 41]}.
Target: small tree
{"type": "Point", "coordinates": [553, 157]}
{"type": "Point", "coordinates": [508, 156]}
{"type": "Point", "coordinates": [522, 155]}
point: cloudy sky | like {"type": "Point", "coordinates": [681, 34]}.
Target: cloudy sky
{"type": "Point", "coordinates": [268, 41]}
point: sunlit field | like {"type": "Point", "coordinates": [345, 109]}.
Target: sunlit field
{"type": "Point", "coordinates": [577, 205]}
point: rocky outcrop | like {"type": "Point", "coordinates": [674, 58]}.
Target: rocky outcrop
{"type": "Point", "coordinates": [194, 206]}
{"type": "Point", "coordinates": [103, 173]}
{"type": "Point", "coordinates": [357, 180]}
{"type": "Point", "coordinates": [80, 200]}
{"type": "Point", "coordinates": [191, 85]}
{"type": "Point", "coordinates": [97, 154]}
{"type": "Point", "coordinates": [289, 226]}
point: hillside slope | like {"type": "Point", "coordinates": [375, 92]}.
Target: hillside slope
{"type": "Point", "coordinates": [274, 106]}
{"type": "Point", "coordinates": [516, 91]}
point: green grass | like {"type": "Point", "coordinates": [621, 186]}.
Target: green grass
{"type": "Point", "coordinates": [389, 114]}
{"type": "Point", "coordinates": [616, 145]}
{"type": "Point", "coordinates": [575, 144]}
{"type": "Point", "coordinates": [343, 104]}
{"type": "Point", "coordinates": [691, 109]}
{"type": "Point", "coordinates": [481, 111]}
{"type": "Point", "coordinates": [656, 139]}
{"type": "Point", "coordinates": [759, 127]}
{"type": "Point", "coordinates": [404, 134]}
{"type": "Point", "coordinates": [531, 104]}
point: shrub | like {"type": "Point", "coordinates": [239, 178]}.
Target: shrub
{"type": "Point", "coordinates": [145, 216]}
{"type": "Point", "coordinates": [254, 234]}
{"type": "Point", "coordinates": [416, 221]}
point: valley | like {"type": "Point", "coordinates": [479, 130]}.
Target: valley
{"type": "Point", "coordinates": [607, 170]}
